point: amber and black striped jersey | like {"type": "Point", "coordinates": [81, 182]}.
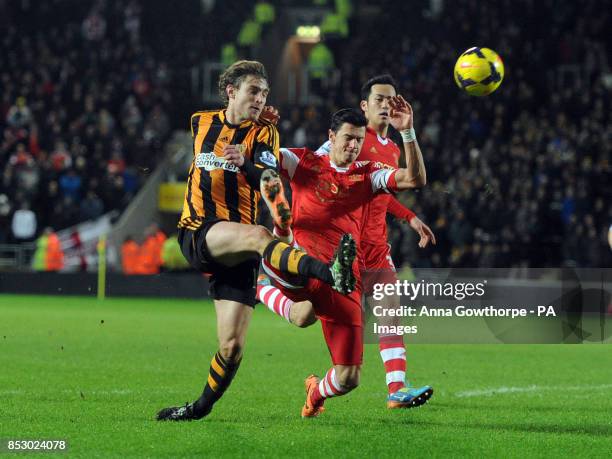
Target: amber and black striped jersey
{"type": "Point", "coordinates": [217, 189]}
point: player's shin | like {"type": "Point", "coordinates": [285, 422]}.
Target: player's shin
{"type": "Point", "coordinates": [329, 387]}
{"type": "Point", "coordinates": [393, 355]}
{"type": "Point", "coordinates": [283, 257]}
{"type": "Point", "coordinates": [273, 298]}
{"type": "Point", "coordinates": [220, 376]}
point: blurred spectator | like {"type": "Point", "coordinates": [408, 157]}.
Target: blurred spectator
{"type": "Point", "coordinates": [48, 255]}
{"type": "Point", "coordinates": [24, 224]}
{"type": "Point", "coordinates": [172, 257]}
{"type": "Point", "coordinates": [91, 207]}
{"type": "Point", "coordinates": [130, 256]}
{"type": "Point", "coordinates": [54, 256]}
{"type": "Point", "coordinates": [5, 218]}
{"type": "Point", "coordinates": [70, 185]}
{"type": "Point", "coordinates": [94, 26]}
{"type": "Point", "coordinates": [19, 115]}
{"type": "Point", "coordinates": [151, 250]}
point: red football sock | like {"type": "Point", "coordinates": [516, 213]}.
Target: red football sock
{"type": "Point", "coordinates": [328, 387]}
{"type": "Point", "coordinates": [274, 299]}
{"type": "Point", "coordinates": [393, 354]}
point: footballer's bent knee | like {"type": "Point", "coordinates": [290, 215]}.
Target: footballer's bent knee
{"type": "Point", "coordinates": [231, 349]}
{"type": "Point", "coordinates": [257, 238]}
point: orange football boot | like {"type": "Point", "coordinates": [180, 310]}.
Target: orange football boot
{"type": "Point", "coordinates": [310, 410]}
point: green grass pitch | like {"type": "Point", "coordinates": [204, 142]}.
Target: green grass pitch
{"type": "Point", "coordinates": [95, 373]}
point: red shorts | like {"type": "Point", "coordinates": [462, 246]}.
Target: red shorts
{"type": "Point", "coordinates": [345, 342]}
{"type": "Point", "coordinates": [378, 266]}
{"type": "Point", "coordinates": [340, 316]}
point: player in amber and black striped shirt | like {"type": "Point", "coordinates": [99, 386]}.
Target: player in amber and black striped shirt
{"type": "Point", "coordinates": [216, 189]}
{"type": "Point", "coordinates": [236, 154]}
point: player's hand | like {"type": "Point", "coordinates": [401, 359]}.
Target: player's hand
{"type": "Point", "coordinates": [269, 113]}
{"type": "Point", "coordinates": [424, 232]}
{"type": "Point", "coordinates": [400, 115]}
{"type": "Point", "coordinates": [233, 154]}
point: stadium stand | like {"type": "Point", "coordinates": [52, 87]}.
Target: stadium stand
{"type": "Point", "coordinates": [83, 114]}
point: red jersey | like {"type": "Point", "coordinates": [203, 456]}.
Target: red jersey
{"type": "Point", "coordinates": [328, 201]}
{"type": "Point", "coordinates": [384, 153]}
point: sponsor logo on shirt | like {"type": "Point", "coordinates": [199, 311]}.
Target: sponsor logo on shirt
{"type": "Point", "coordinates": [210, 162]}
{"type": "Point", "coordinates": [356, 177]}
{"type": "Point", "coordinates": [268, 158]}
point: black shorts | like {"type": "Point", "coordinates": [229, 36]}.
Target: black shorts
{"type": "Point", "coordinates": [237, 283]}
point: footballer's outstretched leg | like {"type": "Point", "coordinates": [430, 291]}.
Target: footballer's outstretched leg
{"type": "Point", "coordinates": [339, 274]}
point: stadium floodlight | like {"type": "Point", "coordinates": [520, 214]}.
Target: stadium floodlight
{"type": "Point", "coordinates": [310, 32]}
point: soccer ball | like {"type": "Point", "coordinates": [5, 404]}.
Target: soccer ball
{"type": "Point", "coordinates": [479, 71]}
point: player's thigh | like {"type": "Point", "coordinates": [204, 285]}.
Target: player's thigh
{"type": "Point", "coordinates": [233, 319]}
{"type": "Point", "coordinates": [230, 243]}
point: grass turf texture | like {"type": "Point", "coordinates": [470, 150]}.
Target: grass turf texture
{"type": "Point", "coordinates": [95, 373]}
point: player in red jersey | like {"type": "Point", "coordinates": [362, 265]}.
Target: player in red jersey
{"type": "Point", "coordinates": [329, 193]}
{"type": "Point", "coordinates": [377, 265]}
{"type": "Point", "coordinates": [376, 96]}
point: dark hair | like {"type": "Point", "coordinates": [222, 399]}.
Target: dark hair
{"type": "Point", "coordinates": [378, 79]}
{"type": "Point", "coordinates": [236, 73]}
{"type": "Point", "coordinates": [348, 115]}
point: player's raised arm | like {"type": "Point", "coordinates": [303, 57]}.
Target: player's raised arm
{"type": "Point", "coordinates": [398, 210]}
{"type": "Point", "coordinates": [402, 119]}
{"type": "Point", "coordinates": [392, 180]}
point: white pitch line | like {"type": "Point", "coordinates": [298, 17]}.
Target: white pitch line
{"type": "Point", "coordinates": [527, 389]}
{"type": "Point", "coordinates": [12, 392]}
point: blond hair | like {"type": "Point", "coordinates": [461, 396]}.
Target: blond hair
{"type": "Point", "coordinates": [236, 73]}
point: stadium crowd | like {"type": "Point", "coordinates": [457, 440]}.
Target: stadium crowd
{"type": "Point", "coordinates": [519, 178]}
{"type": "Point", "coordinates": [83, 114]}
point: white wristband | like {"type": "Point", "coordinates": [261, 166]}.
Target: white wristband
{"type": "Point", "coordinates": [408, 135]}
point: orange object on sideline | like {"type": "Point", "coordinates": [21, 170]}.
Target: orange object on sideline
{"type": "Point", "coordinates": [130, 257]}
{"type": "Point", "coordinates": [54, 258]}
{"type": "Point", "coordinates": [150, 253]}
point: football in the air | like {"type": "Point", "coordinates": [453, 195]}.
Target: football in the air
{"type": "Point", "coordinates": [479, 71]}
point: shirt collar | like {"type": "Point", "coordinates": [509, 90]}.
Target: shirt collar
{"type": "Point", "coordinates": [382, 140]}
{"type": "Point", "coordinates": [224, 120]}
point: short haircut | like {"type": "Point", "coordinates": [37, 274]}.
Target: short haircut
{"type": "Point", "coordinates": [378, 79]}
{"type": "Point", "coordinates": [350, 116]}
{"type": "Point", "coordinates": [236, 73]}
